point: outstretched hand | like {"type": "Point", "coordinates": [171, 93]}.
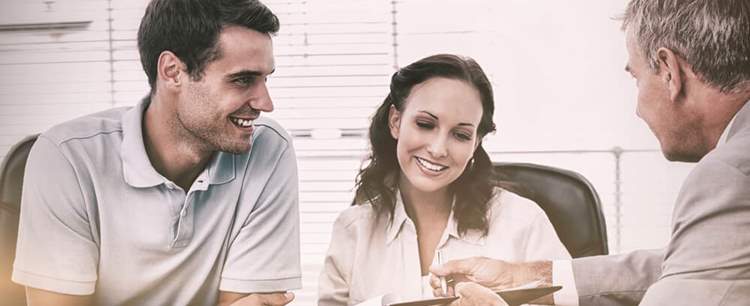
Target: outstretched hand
{"type": "Point", "coordinates": [491, 273]}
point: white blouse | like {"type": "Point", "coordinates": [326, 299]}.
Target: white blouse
{"type": "Point", "coordinates": [368, 257]}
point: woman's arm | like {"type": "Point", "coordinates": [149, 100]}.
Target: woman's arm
{"type": "Point", "coordinates": [542, 242]}
{"type": "Point", "coordinates": [333, 284]}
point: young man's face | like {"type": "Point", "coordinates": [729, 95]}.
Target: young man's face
{"type": "Point", "coordinates": [220, 108]}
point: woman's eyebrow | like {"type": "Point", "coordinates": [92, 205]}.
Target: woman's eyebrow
{"type": "Point", "coordinates": [430, 114]}
{"type": "Point", "coordinates": [436, 118]}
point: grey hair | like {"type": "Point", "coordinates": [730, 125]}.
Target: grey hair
{"type": "Point", "coordinates": [713, 36]}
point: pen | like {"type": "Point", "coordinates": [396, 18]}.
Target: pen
{"type": "Point", "coordinates": [443, 283]}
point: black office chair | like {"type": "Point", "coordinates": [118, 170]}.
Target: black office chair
{"type": "Point", "coordinates": [11, 180]}
{"type": "Point", "coordinates": [570, 201]}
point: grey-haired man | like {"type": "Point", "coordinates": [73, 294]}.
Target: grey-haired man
{"type": "Point", "coordinates": [691, 63]}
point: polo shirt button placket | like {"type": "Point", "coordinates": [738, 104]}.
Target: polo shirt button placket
{"type": "Point", "coordinates": [185, 224]}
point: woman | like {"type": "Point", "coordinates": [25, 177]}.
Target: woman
{"type": "Point", "coordinates": [429, 189]}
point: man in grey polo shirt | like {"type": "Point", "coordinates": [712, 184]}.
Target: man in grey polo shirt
{"type": "Point", "coordinates": [188, 197]}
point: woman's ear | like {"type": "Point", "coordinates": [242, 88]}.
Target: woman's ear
{"type": "Point", "coordinates": [394, 121]}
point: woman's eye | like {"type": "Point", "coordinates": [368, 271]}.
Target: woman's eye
{"type": "Point", "coordinates": [463, 136]}
{"type": "Point", "coordinates": [424, 125]}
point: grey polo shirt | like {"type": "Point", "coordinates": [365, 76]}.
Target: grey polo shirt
{"type": "Point", "coordinates": [96, 218]}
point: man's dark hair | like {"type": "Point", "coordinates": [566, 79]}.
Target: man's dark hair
{"type": "Point", "coordinates": [190, 29]}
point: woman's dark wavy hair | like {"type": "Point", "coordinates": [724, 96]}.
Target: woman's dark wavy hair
{"type": "Point", "coordinates": [473, 189]}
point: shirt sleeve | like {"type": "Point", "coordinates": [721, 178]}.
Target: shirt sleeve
{"type": "Point", "coordinates": [265, 256]}
{"type": "Point", "coordinates": [542, 242]}
{"type": "Point", "coordinates": [333, 284]}
{"type": "Point", "coordinates": [56, 250]}
{"type": "Point", "coordinates": [562, 274]}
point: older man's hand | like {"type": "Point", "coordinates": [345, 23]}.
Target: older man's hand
{"type": "Point", "coordinates": [491, 273]}
{"type": "Point", "coordinates": [473, 294]}
{"type": "Point", "coordinates": [495, 274]}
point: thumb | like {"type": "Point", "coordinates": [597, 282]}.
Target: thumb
{"type": "Point", "coordinates": [288, 296]}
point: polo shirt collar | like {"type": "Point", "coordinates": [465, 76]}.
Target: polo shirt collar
{"type": "Point", "coordinates": [222, 168]}
{"type": "Point", "coordinates": [136, 166]}
{"type": "Point", "coordinates": [451, 228]}
{"type": "Point", "coordinates": [137, 169]}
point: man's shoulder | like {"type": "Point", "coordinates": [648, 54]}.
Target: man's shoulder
{"type": "Point", "coordinates": [89, 126]}
{"type": "Point", "coordinates": [268, 130]}
{"type": "Point", "coordinates": [271, 152]}
{"type": "Point", "coordinates": [733, 153]}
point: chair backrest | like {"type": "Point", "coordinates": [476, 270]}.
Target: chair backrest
{"type": "Point", "coordinates": [570, 201]}
{"type": "Point", "coordinates": [11, 181]}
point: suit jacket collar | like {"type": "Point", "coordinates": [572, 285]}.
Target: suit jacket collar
{"type": "Point", "coordinates": [741, 121]}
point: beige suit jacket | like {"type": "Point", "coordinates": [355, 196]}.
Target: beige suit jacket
{"type": "Point", "coordinates": [707, 260]}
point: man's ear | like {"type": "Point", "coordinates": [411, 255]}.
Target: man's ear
{"type": "Point", "coordinates": [169, 70]}
{"type": "Point", "coordinates": [671, 72]}
{"type": "Point", "coordinates": [394, 121]}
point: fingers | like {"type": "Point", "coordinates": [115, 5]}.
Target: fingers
{"type": "Point", "coordinates": [436, 287]}
{"type": "Point", "coordinates": [438, 292]}
{"type": "Point", "coordinates": [278, 299]}
{"type": "Point", "coordinates": [434, 281]}
{"type": "Point", "coordinates": [460, 266]}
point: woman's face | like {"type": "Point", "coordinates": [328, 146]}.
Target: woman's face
{"type": "Point", "coordinates": [436, 132]}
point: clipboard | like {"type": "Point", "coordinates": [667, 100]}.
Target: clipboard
{"type": "Point", "coordinates": [513, 297]}
{"type": "Point", "coordinates": [516, 297]}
